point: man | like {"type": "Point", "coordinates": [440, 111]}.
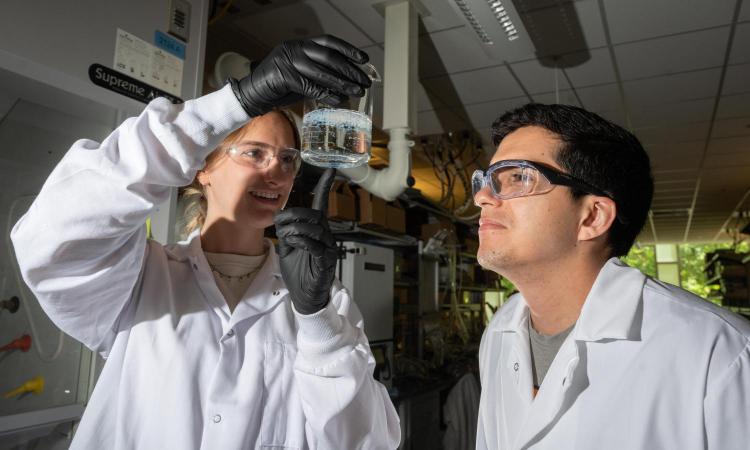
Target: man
{"type": "Point", "coordinates": [592, 354]}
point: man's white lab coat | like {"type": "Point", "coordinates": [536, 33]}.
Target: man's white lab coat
{"type": "Point", "coordinates": [181, 371]}
{"type": "Point", "coordinates": [647, 366]}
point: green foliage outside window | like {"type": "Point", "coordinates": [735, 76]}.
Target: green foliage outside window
{"type": "Point", "coordinates": [692, 262]}
{"type": "Point", "coordinates": [692, 259]}
{"type": "Point", "coordinates": [642, 258]}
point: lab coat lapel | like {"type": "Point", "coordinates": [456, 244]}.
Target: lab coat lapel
{"type": "Point", "coordinates": [193, 252]}
{"type": "Point", "coordinates": [611, 311]}
{"type": "Point", "coordinates": [613, 308]}
{"type": "Point", "coordinates": [555, 395]}
{"type": "Point", "coordinates": [265, 292]}
{"type": "Point", "coordinates": [516, 380]}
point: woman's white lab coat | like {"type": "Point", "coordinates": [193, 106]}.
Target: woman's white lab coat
{"type": "Point", "coordinates": [181, 371]}
{"type": "Point", "coordinates": [647, 366]}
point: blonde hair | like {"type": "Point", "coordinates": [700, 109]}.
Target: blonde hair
{"type": "Point", "coordinates": [194, 196]}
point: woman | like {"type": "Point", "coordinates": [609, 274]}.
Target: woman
{"type": "Point", "coordinates": [217, 341]}
{"type": "Point", "coordinates": [241, 185]}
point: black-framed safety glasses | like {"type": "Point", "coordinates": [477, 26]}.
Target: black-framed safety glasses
{"type": "Point", "coordinates": [513, 178]}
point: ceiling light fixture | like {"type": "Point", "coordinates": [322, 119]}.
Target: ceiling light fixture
{"type": "Point", "coordinates": [478, 29]}
{"type": "Point", "coordinates": [501, 15]}
{"type": "Point", "coordinates": [498, 11]}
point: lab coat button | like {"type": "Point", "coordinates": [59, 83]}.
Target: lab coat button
{"type": "Point", "coordinates": [230, 333]}
{"type": "Point", "coordinates": [217, 418]}
{"type": "Point", "coordinates": [515, 367]}
{"type": "Point", "coordinates": [275, 292]}
{"type": "Point", "coordinates": [195, 266]}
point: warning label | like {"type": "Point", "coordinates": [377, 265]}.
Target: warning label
{"type": "Point", "coordinates": [148, 63]}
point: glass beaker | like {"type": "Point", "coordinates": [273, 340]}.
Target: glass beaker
{"type": "Point", "coordinates": [339, 136]}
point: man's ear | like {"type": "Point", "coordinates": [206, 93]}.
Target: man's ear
{"type": "Point", "coordinates": [598, 213]}
{"type": "Point", "coordinates": [203, 178]}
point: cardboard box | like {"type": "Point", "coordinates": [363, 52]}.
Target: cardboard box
{"type": "Point", "coordinates": [372, 209]}
{"type": "Point", "coordinates": [401, 295]}
{"type": "Point", "coordinates": [395, 217]}
{"type": "Point", "coordinates": [341, 202]}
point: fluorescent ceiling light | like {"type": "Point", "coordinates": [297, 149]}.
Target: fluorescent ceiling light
{"type": "Point", "coordinates": [478, 29]}
{"type": "Point", "coordinates": [500, 14]}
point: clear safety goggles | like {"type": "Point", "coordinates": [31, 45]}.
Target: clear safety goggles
{"type": "Point", "coordinates": [519, 178]}
{"type": "Point", "coordinates": [259, 155]}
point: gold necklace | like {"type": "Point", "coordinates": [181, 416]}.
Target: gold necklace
{"type": "Point", "coordinates": [234, 277]}
{"type": "Point", "coordinates": [242, 277]}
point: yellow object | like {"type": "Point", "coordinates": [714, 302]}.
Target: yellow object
{"type": "Point", "coordinates": [35, 385]}
{"type": "Point", "coordinates": [148, 228]}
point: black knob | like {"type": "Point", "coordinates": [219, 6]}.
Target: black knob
{"type": "Point", "coordinates": [12, 304]}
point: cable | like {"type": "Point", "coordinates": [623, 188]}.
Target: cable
{"type": "Point", "coordinates": [462, 331]}
{"type": "Point", "coordinates": [462, 175]}
{"type": "Point", "coordinates": [440, 169]}
{"type": "Point", "coordinates": [445, 165]}
{"type": "Point", "coordinates": [447, 153]}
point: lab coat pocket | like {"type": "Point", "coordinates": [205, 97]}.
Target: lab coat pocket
{"type": "Point", "coordinates": [283, 422]}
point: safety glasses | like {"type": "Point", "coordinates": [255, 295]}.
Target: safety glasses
{"type": "Point", "coordinates": [259, 155]}
{"type": "Point", "coordinates": [519, 178]}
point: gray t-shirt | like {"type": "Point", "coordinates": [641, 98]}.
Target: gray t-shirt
{"type": "Point", "coordinates": [543, 351]}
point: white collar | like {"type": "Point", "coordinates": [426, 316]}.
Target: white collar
{"type": "Point", "coordinates": [612, 309]}
{"type": "Point", "coordinates": [191, 248]}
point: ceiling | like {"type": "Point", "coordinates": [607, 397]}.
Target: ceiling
{"type": "Point", "coordinates": [674, 72]}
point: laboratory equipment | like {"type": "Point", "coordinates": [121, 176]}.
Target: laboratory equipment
{"type": "Point", "coordinates": [367, 273]}
{"type": "Point", "coordinates": [51, 95]}
{"type": "Point", "coordinates": [339, 135]}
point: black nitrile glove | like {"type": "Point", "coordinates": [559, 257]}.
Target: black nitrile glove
{"type": "Point", "coordinates": [307, 250]}
{"type": "Point", "coordinates": [322, 68]}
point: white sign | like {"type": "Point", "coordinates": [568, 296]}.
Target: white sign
{"type": "Point", "coordinates": [146, 62]}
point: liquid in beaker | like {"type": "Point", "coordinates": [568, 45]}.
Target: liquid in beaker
{"type": "Point", "coordinates": [339, 136]}
{"type": "Point", "coordinates": [336, 138]}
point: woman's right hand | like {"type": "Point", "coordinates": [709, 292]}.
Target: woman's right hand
{"type": "Point", "coordinates": [323, 68]}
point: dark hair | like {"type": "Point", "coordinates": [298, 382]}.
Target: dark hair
{"type": "Point", "coordinates": [599, 152]}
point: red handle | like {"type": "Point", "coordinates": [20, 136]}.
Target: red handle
{"type": "Point", "coordinates": [23, 343]}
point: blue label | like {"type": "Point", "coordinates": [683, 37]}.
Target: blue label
{"type": "Point", "coordinates": [169, 44]}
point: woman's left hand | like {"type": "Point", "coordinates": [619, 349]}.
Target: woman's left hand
{"type": "Point", "coordinates": [307, 250]}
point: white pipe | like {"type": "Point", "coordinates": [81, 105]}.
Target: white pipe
{"type": "Point", "coordinates": [387, 183]}
{"type": "Point", "coordinates": [399, 101]}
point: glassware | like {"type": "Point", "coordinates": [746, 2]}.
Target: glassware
{"type": "Point", "coordinates": [339, 136]}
